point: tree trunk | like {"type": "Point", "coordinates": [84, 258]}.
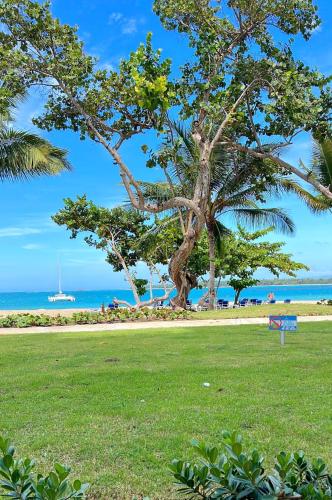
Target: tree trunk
{"type": "Point", "coordinates": [212, 259]}
{"type": "Point", "coordinates": [237, 295]}
{"type": "Point", "coordinates": [183, 280]}
{"type": "Point", "coordinates": [201, 301]}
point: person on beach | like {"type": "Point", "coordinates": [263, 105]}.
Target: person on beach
{"type": "Point", "coordinates": [270, 296]}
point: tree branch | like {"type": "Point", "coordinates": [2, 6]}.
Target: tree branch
{"type": "Point", "coordinates": [307, 177]}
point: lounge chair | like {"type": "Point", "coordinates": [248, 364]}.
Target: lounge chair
{"type": "Point", "coordinates": [219, 303]}
{"type": "Point", "coordinates": [113, 306]}
{"type": "Point", "coordinates": [189, 305]}
{"type": "Point", "coordinates": [243, 303]}
{"type": "Point", "coordinates": [225, 304]}
{"type": "Point", "coordinates": [259, 302]}
{"type": "Point", "coordinates": [287, 301]}
{"type": "Point", "coordinates": [253, 301]}
{"type": "Point", "coordinates": [273, 301]}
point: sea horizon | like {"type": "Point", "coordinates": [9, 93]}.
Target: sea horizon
{"type": "Point", "coordinates": [73, 290]}
{"type": "Point", "coordinates": [93, 299]}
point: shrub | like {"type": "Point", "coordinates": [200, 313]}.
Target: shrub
{"type": "Point", "coordinates": [235, 474]}
{"type": "Point", "coordinates": [90, 317]}
{"type": "Point", "coordinates": [19, 482]}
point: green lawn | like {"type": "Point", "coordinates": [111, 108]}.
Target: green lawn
{"type": "Point", "coordinates": [266, 310]}
{"type": "Point", "coordinates": [119, 406]}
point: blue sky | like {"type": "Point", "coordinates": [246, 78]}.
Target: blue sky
{"type": "Point", "coordinates": [30, 241]}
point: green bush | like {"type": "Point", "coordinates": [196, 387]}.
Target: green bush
{"type": "Point", "coordinates": [235, 474]}
{"type": "Point", "coordinates": [90, 318]}
{"type": "Point", "coordinates": [19, 482]}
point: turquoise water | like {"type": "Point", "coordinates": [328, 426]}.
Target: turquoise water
{"type": "Point", "coordinates": [94, 299]}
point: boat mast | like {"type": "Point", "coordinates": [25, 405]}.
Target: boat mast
{"type": "Point", "coordinates": [59, 275]}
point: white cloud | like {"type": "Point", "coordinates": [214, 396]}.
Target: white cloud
{"type": "Point", "coordinates": [8, 232]}
{"type": "Point", "coordinates": [128, 25]}
{"type": "Point", "coordinates": [32, 246]}
{"type": "Point", "coordinates": [115, 17]}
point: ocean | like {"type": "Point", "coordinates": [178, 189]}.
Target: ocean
{"type": "Point", "coordinates": [94, 299]}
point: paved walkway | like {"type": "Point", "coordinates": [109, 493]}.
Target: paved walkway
{"type": "Point", "coordinates": [152, 324]}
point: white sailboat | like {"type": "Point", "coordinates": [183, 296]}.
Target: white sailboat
{"type": "Point", "coordinates": [60, 296]}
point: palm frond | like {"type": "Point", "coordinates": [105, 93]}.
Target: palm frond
{"type": "Point", "coordinates": [186, 138]}
{"type": "Point", "coordinates": [314, 203]}
{"type": "Point", "coordinates": [258, 217]}
{"type": "Point", "coordinates": [158, 191]}
{"type": "Point", "coordinates": [321, 163]}
{"type": "Point", "coordinates": [220, 233]}
{"type": "Point", "coordinates": [24, 155]}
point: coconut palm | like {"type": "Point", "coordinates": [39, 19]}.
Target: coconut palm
{"type": "Point", "coordinates": [239, 185]}
{"type": "Point", "coordinates": [24, 154]}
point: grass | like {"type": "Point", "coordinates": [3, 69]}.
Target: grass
{"type": "Point", "coordinates": [118, 406]}
{"type": "Point", "coordinates": [266, 310]}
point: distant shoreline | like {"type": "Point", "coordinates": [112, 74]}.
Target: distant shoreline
{"type": "Point", "coordinates": [70, 311]}
{"type": "Point", "coordinates": [154, 289]}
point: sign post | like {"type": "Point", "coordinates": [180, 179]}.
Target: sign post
{"type": "Point", "coordinates": [283, 324]}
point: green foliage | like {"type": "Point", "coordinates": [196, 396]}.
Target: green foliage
{"type": "Point", "coordinates": [19, 482]}
{"type": "Point", "coordinates": [244, 256]}
{"type": "Point", "coordinates": [233, 473]}
{"type": "Point", "coordinates": [98, 223]}
{"type": "Point", "coordinates": [321, 164]}
{"type": "Point", "coordinates": [286, 93]}
{"type": "Point", "coordinates": [22, 154]}
{"type": "Point", "coordinates": [84, 318]}
{"type": "Point", "coordinates": [24, 320]}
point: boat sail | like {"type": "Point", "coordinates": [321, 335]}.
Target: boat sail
{"type": "Point", "coordinates": [60, 296]}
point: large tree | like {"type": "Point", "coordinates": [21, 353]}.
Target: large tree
{"type": "Point", "coordinates": [240, 186]}
{"type": "Point", "coordinates": [238, 76]}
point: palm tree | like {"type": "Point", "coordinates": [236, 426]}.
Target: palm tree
{"type": "Point", "coordinates": [238, 183]}
{"type": "Point", "coordinates": [24, 155]}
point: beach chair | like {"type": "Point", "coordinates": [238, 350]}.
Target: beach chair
{"type": "Point", "coordinates": [225, 304]}
{"type": "Point", "coordinates": [259, 302]}
{"type": "Point", "coordinates": [287, 301]}
{"type": "Point", "coordinates": [273, 301]}
{"type": "Point", "coordinates": [219, 303]}
{"type": "Point", "coordinates": [189, 304]}
{"type": "Point", "coordinates": [253, 301]}
{"type": "Point", "coordinates": [113, 306]}
{"type": "Point", "coordinates": [243, 303]}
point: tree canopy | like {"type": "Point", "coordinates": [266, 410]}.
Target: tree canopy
{"type": "Point", "coordinates": [238, 75]}
{"type": "Point", "coordinates": [244, 255]}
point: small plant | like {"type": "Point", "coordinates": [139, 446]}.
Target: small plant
{"type": "Point", "coordinates": [234, 474]}
{"type": "Point", "coordinates": [19, 482]}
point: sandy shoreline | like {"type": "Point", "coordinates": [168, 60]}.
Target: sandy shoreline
{"type": "Point", "coordinates": [69, 312]}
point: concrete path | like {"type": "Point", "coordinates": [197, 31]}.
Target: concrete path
{"type": "Point", "coordinates": [152, 324]}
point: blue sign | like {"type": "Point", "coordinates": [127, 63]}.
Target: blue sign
{"type": "Point", "coordinates": [283, 323]}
